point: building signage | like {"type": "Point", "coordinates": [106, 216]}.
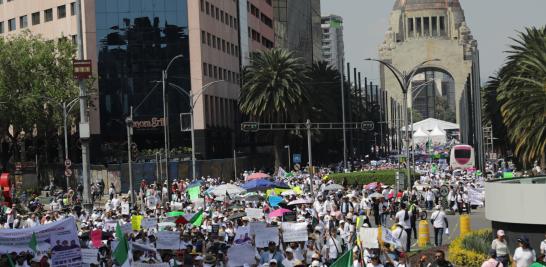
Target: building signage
{"type": "Point", "coordinates": [82, 69]}
{"type": "Point", "coordinates": [148, 124]}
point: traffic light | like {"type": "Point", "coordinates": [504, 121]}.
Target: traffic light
{"type": "Point", "coordinates": [250, 126]}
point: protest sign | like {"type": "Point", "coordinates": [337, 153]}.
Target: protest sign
{"type": "Point", "coordinates": [136, 221]}
{"type": "Point", "coordinates": [169, 240]}
{"type": "Point", "coordinates": [151, 203]}
{"type": "Point", "coordinates": [127, 228]}
{"type": "Point", "coordinates": [240, 255]}
{"type": "Point", "coordinates": [368, 237]}
{"type": "Point", "coordinates": [215, 228]}
{"type": "Point", "coordinates": [294, 232]}
{"type": "Point", "coordinates": [125, 209]}
{"type": "Point", "coordinates": [252, 213]}
{"type": "Point", "coordinates": [242, 235]}
{"type": "Point", "coordinates": [289, 216]}
{"type": "Point", "coordinates": [90, 256]}
{"type": "Point", "coordinates": [265, 235]}
{"type": "Point", "coordinates": [96, 238]}
{"type": "Point", "coordinates": [65, 250]}
{"type": "Point", "coordinates": [388, 237]}
{"type": "Point", "coordinates": [148, 251]}
{"type": "Point", "coordinates": [17, 240]}
{"type": "Point", "coordinates": [476, 196]}
{"type": "Point", "coordinates": [141, 264]}
{"type": "Point", "coordinates": [147, 223]}
{"type": "Point", "coordinates": [256, 226]}
{"type": "Point", "coordinates": [110, 225]}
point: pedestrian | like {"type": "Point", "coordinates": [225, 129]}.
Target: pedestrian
{"type": "Point", "coordinates": [112, 191]}
{"type": "Point", "coordinates": [404, 220]}
{"type": "Point", "coordinates": [492, 261]}
{"type": "Point", "coordinates": [440, 260]}
{"type": "Point", "coordinates": [500, 245]}
{"type": "Point", "coordinates": [524, 255]}
{"type": "Point", "coordinates": [429, 198]}
{"type": "Point", "coordinates": [543, 246]}
{"type": "Point", "coordinates": [439, 221]}
{"type": "Point", "coordinates": [414, 213]}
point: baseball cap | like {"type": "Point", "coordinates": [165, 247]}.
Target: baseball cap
{"type": "Point", "coordinates": [273, 261]}
{"type": "Point", "coordinates": [500, 232]}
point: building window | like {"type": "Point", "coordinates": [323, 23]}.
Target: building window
{"type": "Point", "coordinates": [217, 14]}
{"type": "Point", "coordinates": [73, 9]}
{"type": "Point", "coordinates": [237, 51]}
{"type": "Point", "coordinates": [229, 76]}
{"type": "Point", "coordinates": [220, 73]}
{"type": "Point", "coordinates": [218, 43]}
{"type": "Point", "coordinates": [213, 41]}
{"type": "Point", "coordinates": [410, 28]}
{"type": "Point", "coordinates": [36, 18]}
{"type": "Point", "coordinates": [232, 49]}
{"type": "Point", "coordinates": [210, 70]}
{"type": "Point", "coordinates": [230, 21]}
{"type": "Point", "coordinates": [61, 12]}
{"type": "Point", "coordinates": [215, 72]}
{"type": "Point", "coordinates": [74, 40]}
{"type": "Point", "coordinates": [222, 16]}
{"type": "Point", "coordinates": [442, 26]}
{"type": "Point", "coordinates": [208, 38]}
{"type": "Point", "coordinates": [207, 8]}
{"type": "Point", "coordinates": [434, 26]}
{"type": "Point", "coordinates": [224, 46]}
{"type": "Point", "coordinates": [23, 22]}
{"type": "Point", "coordinates": [202, 3]}
{"type": "Point", "coordinates": [48, 15]}
{"type": "Point", "coordinates": [1, 26]}
{"type": "Point", "coordinates": [205, 69]}
{"type": "Point", "coordinates": [225, 74]}
{"type": "Point", "coordinates": [203, 37]}
{"type": "Point", "coordinates": [267, 21]}
{"type": "Point", "coordinates": [11, 25]}
{"type": "Point", "coordinates": [212, 10]}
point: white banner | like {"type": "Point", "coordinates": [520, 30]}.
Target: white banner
{"type": "Point", "coordinates": [254, 213]}
{"type": "Point", "coordinates": [368, 237]}
{"type": "Point", "coordinates": [256, 226]}
{"type": "Point", "coordinates": [148, 223]}
{"type": "Point", "coordinates": [242, 235]}
{"type": "Point", "coordinates": [476, 196]}
{"type": "Point", "coordinates": [126, 228]}
{"type": "Point", "coordinates": [125, 209]}
{"type": "Point", "coordinates": [141, 264]}
{"type": "Point", "coordinates": [294, 232]}
{"type": "Point", "coordinates": [169, 240]}
{"type": "Point", "coordinates": [17, 240]}
{"type": "Point", "coordinates": [90, 256]}
{"type": "Point", "coordinates": [388, 237]}
{"type": "Point", "coordinates": [65, 250]}
{"type": "Point", "coordinates": [265, 235]}
{"type": "Point", "coordinates": [240, 255]}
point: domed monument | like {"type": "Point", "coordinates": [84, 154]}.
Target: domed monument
{"type": "Point", "coordinates": [447, 88]}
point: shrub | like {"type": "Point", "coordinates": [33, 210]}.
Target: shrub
{"type": "Point", "coordinates": [471, 249]}
{"type": "Point", "coordinates": [384, 176]}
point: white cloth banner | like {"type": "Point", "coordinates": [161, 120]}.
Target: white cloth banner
{"type": "Point", "coordinates": [476, 196]}
{"type": "Point", "coordinates": [125, 209]}
{"type": "Point", "coordinates": [368, 237]}
{"type": "Point", "coordinates": [254, 213]}
{"type": "Point", "coordinates": [388, 237]}
{"type": "Point", "coordinates": [65, 250]}
{"type": "Point", "coordinates": [242, 235]}
{"type": "Point", "coordinates": [240, 255]}
{"type": "Point", "coordinates": [148, 223]}
{"type": "Point", "coordinates": [265, 235]}
{"type": "Point", "coordinates": [17, 240]}
{"type": "Point", "coordinates": [256, 226]}
{"type": "Point", "coordinates": [169, 240]}
{"type": "Point", "coordinates": [90, 256]}
{"type": "Point", "coordinates": [141, 264]}
{"type": "Point", "coordinates": [294, 232]}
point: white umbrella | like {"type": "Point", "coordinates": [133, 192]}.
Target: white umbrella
{"type": "Point", "coordinates": [333, 187]}
{"type": "Point", "coordinates": [376, 195]}
{"type": "Point", "coordinates": [231, 189]}
{"type": "Point", "coordinates": [299, 201]}
{"type": "Point", "coordinates": [288, 193]}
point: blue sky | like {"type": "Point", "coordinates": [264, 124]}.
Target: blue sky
{"type": "Point", "coordinates": [492, 23]}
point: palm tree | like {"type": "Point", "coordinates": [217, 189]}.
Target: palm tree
{"type": "Point", "coordinates": [522, 94]}
{"type": "Point", "coordinates": [274, 91]}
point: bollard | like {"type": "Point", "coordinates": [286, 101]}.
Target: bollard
{"type": "Point", "coordinates": [464, 221]}
{"type": "Point", "coordinates": [424, 234]}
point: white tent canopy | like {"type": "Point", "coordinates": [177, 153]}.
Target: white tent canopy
{"type": "Point", "coordinates": [431, 123]}
{"type": "Point", "coordinates": [420, 137]}
{"type": "Point", "coordinates": [437, 136]}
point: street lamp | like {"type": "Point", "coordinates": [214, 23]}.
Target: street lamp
{"type": "Point", "coordinates": [404, 80]}
{"type": "Point", "coordinates": [412, 90]}
{"type": "Point", "coordinates": [129, 123]}
{"type": "Point", "coordinates": [193, 102]}
{"type": "Point", "coordinates": [289, 154]}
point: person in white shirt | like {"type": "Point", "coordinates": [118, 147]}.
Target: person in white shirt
{"type": "Point", "coordinates": [404, 220]}
{"type": "Point", "coordinates": [429, 197]}
{"type": "Point", "coordinates": [401, 234]}
{"type": "Point", "coordinates": [439, 222]}
{"type": "Point", "coordinates": [289, 260]}
{"type": "Point", "coordinates": [524, 256]}
{"type": "Point", "coordinates": [543, 246]}
{"type": "Point", "coordinates": [333, 247]}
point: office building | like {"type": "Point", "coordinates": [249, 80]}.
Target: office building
{"type": "Point", "coordinates": [332, 41]}
{"type": "Point", "coordinates": [256, 27]}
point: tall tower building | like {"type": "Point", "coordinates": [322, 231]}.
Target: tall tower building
{"type": "Point", "coordinates": [256, 27]}
{"type": "Point", "coordinates": [423, 30]}
{"type": "Point", "coordinates": [297, 26]}
{"type": "Point", "coordinates": [332, 41]}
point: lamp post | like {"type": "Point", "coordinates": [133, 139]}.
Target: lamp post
{"type": "Point", "coordinates": [412, 90]}
{"type": "Point", "coordinates": [289, 154]}
{"type": "Point", "coordinates": [166, 119]}
{"type": "Point", "coordinates": [404, 80]}
{"type": "Point", "coordinates": [193, 102]}
{"type": "Point", "coordinates": [129, 123]}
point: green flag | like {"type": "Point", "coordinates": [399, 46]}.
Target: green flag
{"type": "Point", "coordinates": [197, 219]}
{"type": "Point", "coordinates": [121, 253]}
{"type": "Point", "coordinates": [508, 175]}
{"type": "Point", "coordinates": [335, 24]}
{"type": "Point", "coordinates": [346, 260]}
{"type": "Point", "coordinates": [33, 242]}
{"type": "Point", "coordinates": [175, 213]}
{"type": "Point", "coordinates": [194, 192]}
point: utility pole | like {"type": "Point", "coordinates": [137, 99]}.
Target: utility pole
{"type": "Point", "coordinates": [84, 124]}
{"type": "Point", "coordinates": [309, 151]}
{"type": "Point", "coordinates": [342, 78]}
{"type": "Point", "coordinates": [129, 122]}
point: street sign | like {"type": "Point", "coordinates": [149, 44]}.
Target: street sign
{"type": "Point", "coordinates": [82, 69]}
{"type": "Point", "coordinates": [367, 125]}
{"type": "Point", "coordinates": [68, 172]}
{"type": "Point", "coordinates": [185, 122]}
{"type": "Point", "coordinates": [67, 163]}
{"type": "Point", "coordinates": [297, 167]}
{"type": "Point", "coordinates": [296, 158]}
{"type": "Point", "coordinates": [250, 126]}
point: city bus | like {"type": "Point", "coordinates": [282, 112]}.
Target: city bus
{"type": "Point", "coordinates": [461, 157]}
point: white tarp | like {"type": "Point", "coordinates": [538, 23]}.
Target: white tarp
{"type": "Point", "coordinates": [438, 137]}
{"type": "Point", "coordinates": [420, 137]}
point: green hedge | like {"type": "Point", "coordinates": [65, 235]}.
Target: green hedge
{"type": "Point", "coordinates": [384, 176]}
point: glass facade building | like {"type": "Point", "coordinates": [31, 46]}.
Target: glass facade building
{"type": "Point", "coordinates": [136, 39]}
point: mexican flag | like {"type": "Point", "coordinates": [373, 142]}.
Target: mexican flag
{"type": "Point", "coordinates": [33, 244]}
{"type": "Point", "coordinates": [121, 253]}
{"type": "Point", "coordinates": [197, 219]}
{"type": "Point", "coordinates": [346, 260]}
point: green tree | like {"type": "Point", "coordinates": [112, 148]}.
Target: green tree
{"type": "Point", "coordinates": [35, 75]}
{"type": "Point", "coordinates": [522, 94]}
{"type": "Point", "coordinates": [274, 90]}
{"type": "Point", "coordinates": [442, 110]}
